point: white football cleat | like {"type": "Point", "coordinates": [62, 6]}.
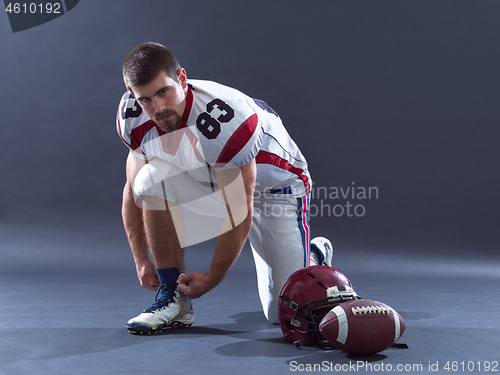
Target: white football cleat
{"type": "Point", "coordinates": [324, 248]}
{"type": "Point", "coordinates": [172, 310]}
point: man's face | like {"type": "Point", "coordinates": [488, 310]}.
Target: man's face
{"type": "Point", "coordinates": [164, 99]}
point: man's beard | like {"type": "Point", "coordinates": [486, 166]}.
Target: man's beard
{"type": "Point", "coordinates": [173, 123]}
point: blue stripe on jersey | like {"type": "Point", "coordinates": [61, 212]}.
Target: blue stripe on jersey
{"type": "Point", "coordinates": [285, 190]}
{"type": "Point", "coordinates": [262, 104]}
{"type": "Point", "coordinates": [164, 190]}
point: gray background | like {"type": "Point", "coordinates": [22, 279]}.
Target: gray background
{"type": "Point", "coordinates": [399, 95]}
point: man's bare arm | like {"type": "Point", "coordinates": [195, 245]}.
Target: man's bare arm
{"type": "Point", "coordinates": [134, 228]}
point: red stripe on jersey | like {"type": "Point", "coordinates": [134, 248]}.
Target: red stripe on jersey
{"type": "Point", "coordinates": [238, 139]}
{"type": "Point", "coordinates": [187, 110]}
{"type": "Point", "coordinates": [137, 134]}
{"type": "Point", "coordinates": [264, 157]}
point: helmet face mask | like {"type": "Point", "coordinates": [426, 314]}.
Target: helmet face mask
{"type": "Point", "coordinates": [306, 297]}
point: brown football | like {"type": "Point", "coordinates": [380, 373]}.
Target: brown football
{"type": "Point", "coordinates": [362, 327]}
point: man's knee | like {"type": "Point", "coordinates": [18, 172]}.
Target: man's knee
{"type": "Point", "coordinates": [149, 187]}
{"type": "Point", "coordinates": [271, 312]}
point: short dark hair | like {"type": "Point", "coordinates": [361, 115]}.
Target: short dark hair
{"type": "Point", "coordinates": [146, 61]}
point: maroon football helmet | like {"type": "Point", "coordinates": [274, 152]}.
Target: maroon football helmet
{"type": "Point", "coordinates": [306, 297]}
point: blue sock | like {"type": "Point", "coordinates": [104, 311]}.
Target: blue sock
{"type": "Point", "coordinates": [168, 276]}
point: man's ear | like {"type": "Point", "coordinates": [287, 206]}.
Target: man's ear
{"type": "Point", "coordinates": [182, 77]}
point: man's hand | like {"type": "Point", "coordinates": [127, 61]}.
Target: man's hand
{"type": "Point", "coordinates": [146, 273]}
{"type": "Point", "coordinates": [196, 284]}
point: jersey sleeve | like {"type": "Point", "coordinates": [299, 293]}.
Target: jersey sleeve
{"type": "Point", "coordinates": [229, 130]}
{"type": "Point", "coordinates": [132, 124]}
{"type": "Point", "coordinates": [243, 144]}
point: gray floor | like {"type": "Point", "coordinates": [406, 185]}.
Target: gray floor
{"type": "Point", "coordinates": [66, 313]}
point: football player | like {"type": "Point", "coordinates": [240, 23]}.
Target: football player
{"type": "Point", "coordinates": [207, 161]}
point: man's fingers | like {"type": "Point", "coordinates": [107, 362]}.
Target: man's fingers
{"type": "Point", "coordinates": [151, 282]}
{"type": "Point", "coordinates": [146, 284]}
{"type": "Point", "coordinates": [184, 288]}
{"type": "Point", "coordinates": [184, 279]}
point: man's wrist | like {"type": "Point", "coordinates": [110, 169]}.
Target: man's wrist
{"type": "Point", "coordinates": [214, 277]}
{"type": "Point", "coordinates": [141, 260]}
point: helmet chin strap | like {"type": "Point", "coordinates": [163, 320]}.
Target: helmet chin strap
{"type": "Point", "coordinates": [311, 339]}
{"type": "Point", "coordinates": [314, 336]}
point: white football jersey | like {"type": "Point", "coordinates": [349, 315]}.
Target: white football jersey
{"type": "Point", "coordinates": [221, 128]}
